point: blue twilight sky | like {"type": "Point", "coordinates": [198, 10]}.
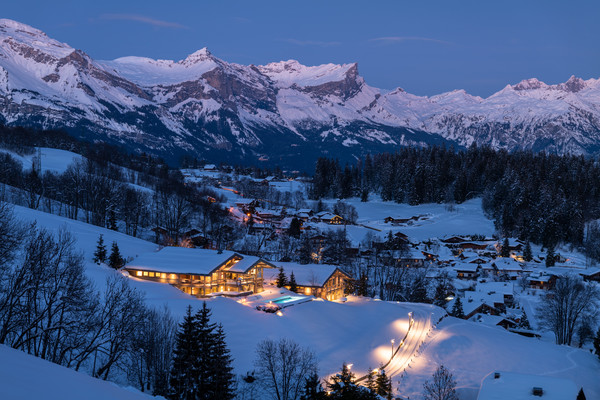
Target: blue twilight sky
{"type": "Point", "coordinates": [423, 46]}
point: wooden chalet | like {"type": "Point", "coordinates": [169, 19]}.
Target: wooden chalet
{"type": "Point", "coordinates": [320, 280]}
{"type": "Point", "coordinates": [591, 275]}
{"type": "Point", "coordinates": [202, 272]}
{"type": "Point", "coordinates": [454, 240]}
{"type": "Point", "coordinates": [543, 282]}
{"type": "Point", "coordinates": [473, 246]}
{"type": "Point", "coordinates": [396, 221]}
{"type": "Point", "coordinates": [328, 218]}
{"type": "Point", "coordinates": [467, 271]}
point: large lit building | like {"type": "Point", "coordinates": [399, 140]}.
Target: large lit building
{"type": "Point", "coordinates": [202, 272]}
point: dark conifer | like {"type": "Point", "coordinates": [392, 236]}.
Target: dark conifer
{"type": "Point", "coordinates": [383, 385]}
{"type": "Point", "coordinates": [183, 369]}
{"type": "Point", "coordinates": [527, 253]}
{"type": "Point", "coordinates": [292, 283]}
{"type": "Point", "coordinates": [115, 260]}
{"type": "Point", "coordinates": [505, 250]}
{"type": "Point", "coordinates": [281, 278]}
{"type": "Point", "coordinates": [223, 387]}
{"type": "Point", "coordinates": [550, 257]}
{"type": "Point", "coordinates": [100, 253]}
{"type": "Point", "coordinates": [457, 309]}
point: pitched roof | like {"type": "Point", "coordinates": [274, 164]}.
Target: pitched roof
{"type": "Point", "coordinates": [180, 260]}
{"type": "Point", "coordinates": [305, 275]}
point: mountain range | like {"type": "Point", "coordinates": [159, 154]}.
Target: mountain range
{"type": "Point", "coordinates": [281, 113]}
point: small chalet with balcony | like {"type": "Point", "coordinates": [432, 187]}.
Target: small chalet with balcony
{"type": "Point", "coordinates": [202, 272]}
{"type": "Point", "coordinates": [320, 280]}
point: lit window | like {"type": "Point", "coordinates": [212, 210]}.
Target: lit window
{"type": "Point", "coordinates": [145, 273]}
{"type": "Point", "coordinates": [138, 273]}
{"type": "Point", "coordinates": [173, 276]}
{"type": "Point", "coordinates": [164, 276]}
{"type": "Point", "coordinates": [151, 274]}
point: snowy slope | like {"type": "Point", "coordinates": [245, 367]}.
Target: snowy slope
{"type": "Point", "coordinates": [468, 349]}
{"type": "Point", "coordinates": [25, 377]}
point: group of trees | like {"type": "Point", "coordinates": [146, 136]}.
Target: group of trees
{"type": "Point", "coordinates": [571, 305]}
{"type": "Point", "coordinates": [539, 197]}
{"type": "Point", "coordinates": [50, 309]}
{"type": "Point", "coordinates": [202, 364]}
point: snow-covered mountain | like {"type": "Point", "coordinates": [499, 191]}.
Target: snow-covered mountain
{"type": "Point", "coordinates": [284, 112]}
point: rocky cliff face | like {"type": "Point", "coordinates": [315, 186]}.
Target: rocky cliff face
{"type": "Point", "coordinates": [283, 112]}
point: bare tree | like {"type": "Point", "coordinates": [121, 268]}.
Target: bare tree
{"type": "Point", "coordinates": [282, 367]}
{"type": "Point", "coordinates": [566, 305]}
{"type": "Point", "coordinates": [441, 386]}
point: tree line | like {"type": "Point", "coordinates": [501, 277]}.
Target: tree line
{"type": "Point", "coordinates": [540, 197]}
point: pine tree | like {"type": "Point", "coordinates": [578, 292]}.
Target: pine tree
{"type": "Point", "coordinates": [100, 253]}
{"type": "Point", "coordinates": [439, 298]}
{"type": "Point", "coordinates": [457, 309]}
{"type": "Point", "coordinates": [550, 258]}
{"type": "Point", "coordinates": [223, 384]}
{"type": "Point", "coordinates": [281, 279]}
{"type": "Point", "coordinates": [383, 385]}
{"type": "Point", "coordinates": [183, 369]}
{"type": "Point", "coordinates": [292, 283]}
{"type": "Point", "coordinates": [364, 196]}
{"type": "Point", "coordinates": [204, 365]}
{"type": "Point", "coordinates": [294, 229]}
{"type": "Point", "coordinates": [115, 260]}
{"type": "Point", "coordinates": [581, 395]}
{"type": "Point", "coordinates": [362, 287]}
{"type": "Point", "coordinates": [505, 250]}
{"type": "Point", "coordinates": [370, 382]}
{"type": "Point", "coordinates": [527, 253]}
{"type": "Point", "coordinates": [524, 321]}
{"type": "Point", "coordinates": [312, 388]}
{"type": "Point", "coordinates": [419, 292]}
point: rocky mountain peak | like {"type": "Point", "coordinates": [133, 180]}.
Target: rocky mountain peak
{"type": "Point", "coordinates": [529, 84]}
{"type": "Point", "coordinates": [573, 85]}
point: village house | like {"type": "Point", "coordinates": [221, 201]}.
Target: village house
{"type": "Point", "coordinates": [454, 240]}
{"type": "Point", "coordinates": [591, 275]}
{"type": "Point", "coordinates": [320, 280]}
{"type": "Point", "coordinates": [507, 267]}
{"type": "Point", "coordinates": [202, 272]}
{"type": "Point", "coordinates": [328, 218]}
{"type": "Point", "coordinates": [542, 281]}
{"type": "Point", "coordinates": [466, 270]}
{"type": "Point", "coordinates": [493, 320]}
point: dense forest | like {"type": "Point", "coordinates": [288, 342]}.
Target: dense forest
{"type": "Point", "coordinates": [539, 197]}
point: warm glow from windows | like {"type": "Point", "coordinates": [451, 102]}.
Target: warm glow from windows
{"type": "Point", "coordinates": [164, 276]}
{"type": "Point", "coordinates": [138, 273]}
{"type": "Point", "coordinates": [173, 276]}
{"type": "Point", "coordinates": [145, 273]}
{"type": "Point", "coordinates": [151, 274]}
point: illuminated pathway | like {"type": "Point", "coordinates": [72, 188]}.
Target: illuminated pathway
{"type": "Point", "coordinates": [420, 324]}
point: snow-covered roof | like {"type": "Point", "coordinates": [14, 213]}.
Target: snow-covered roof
{"type": "Point", "coordinates": [506, 288]}
{"type": "Point", "coordinates": [467, 267]}
{"type": "Point", "coordinates": [180, 260]}
{"type": "Point", "coordinates": [246, 263]}
{"type": "Point", "coordinates": [514, 386]}
{"type": "Point", "coordinates": [507, 264]}
{"type": "Point", "coordinates": [305, 275]}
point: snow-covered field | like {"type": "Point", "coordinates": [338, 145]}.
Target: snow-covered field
{"type": "Point", "coordinates": [53, 160]}
{"type": "Point", "coordinates": [359, 331]}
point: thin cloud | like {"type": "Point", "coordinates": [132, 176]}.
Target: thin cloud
{"type": "Point", "coordinates": [401, 39]}
{"type": "Point", "coordinates": [144, 19]}
{"type": "Point", "coordinates": [316, 43]}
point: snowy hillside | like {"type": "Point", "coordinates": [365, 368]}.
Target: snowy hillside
{"type": "Point", "coordinates": [282, 112]}
{"type": "Point", "coordinates": [469, 349]}
{"type": "Point", "coordinates": [25, 377]}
